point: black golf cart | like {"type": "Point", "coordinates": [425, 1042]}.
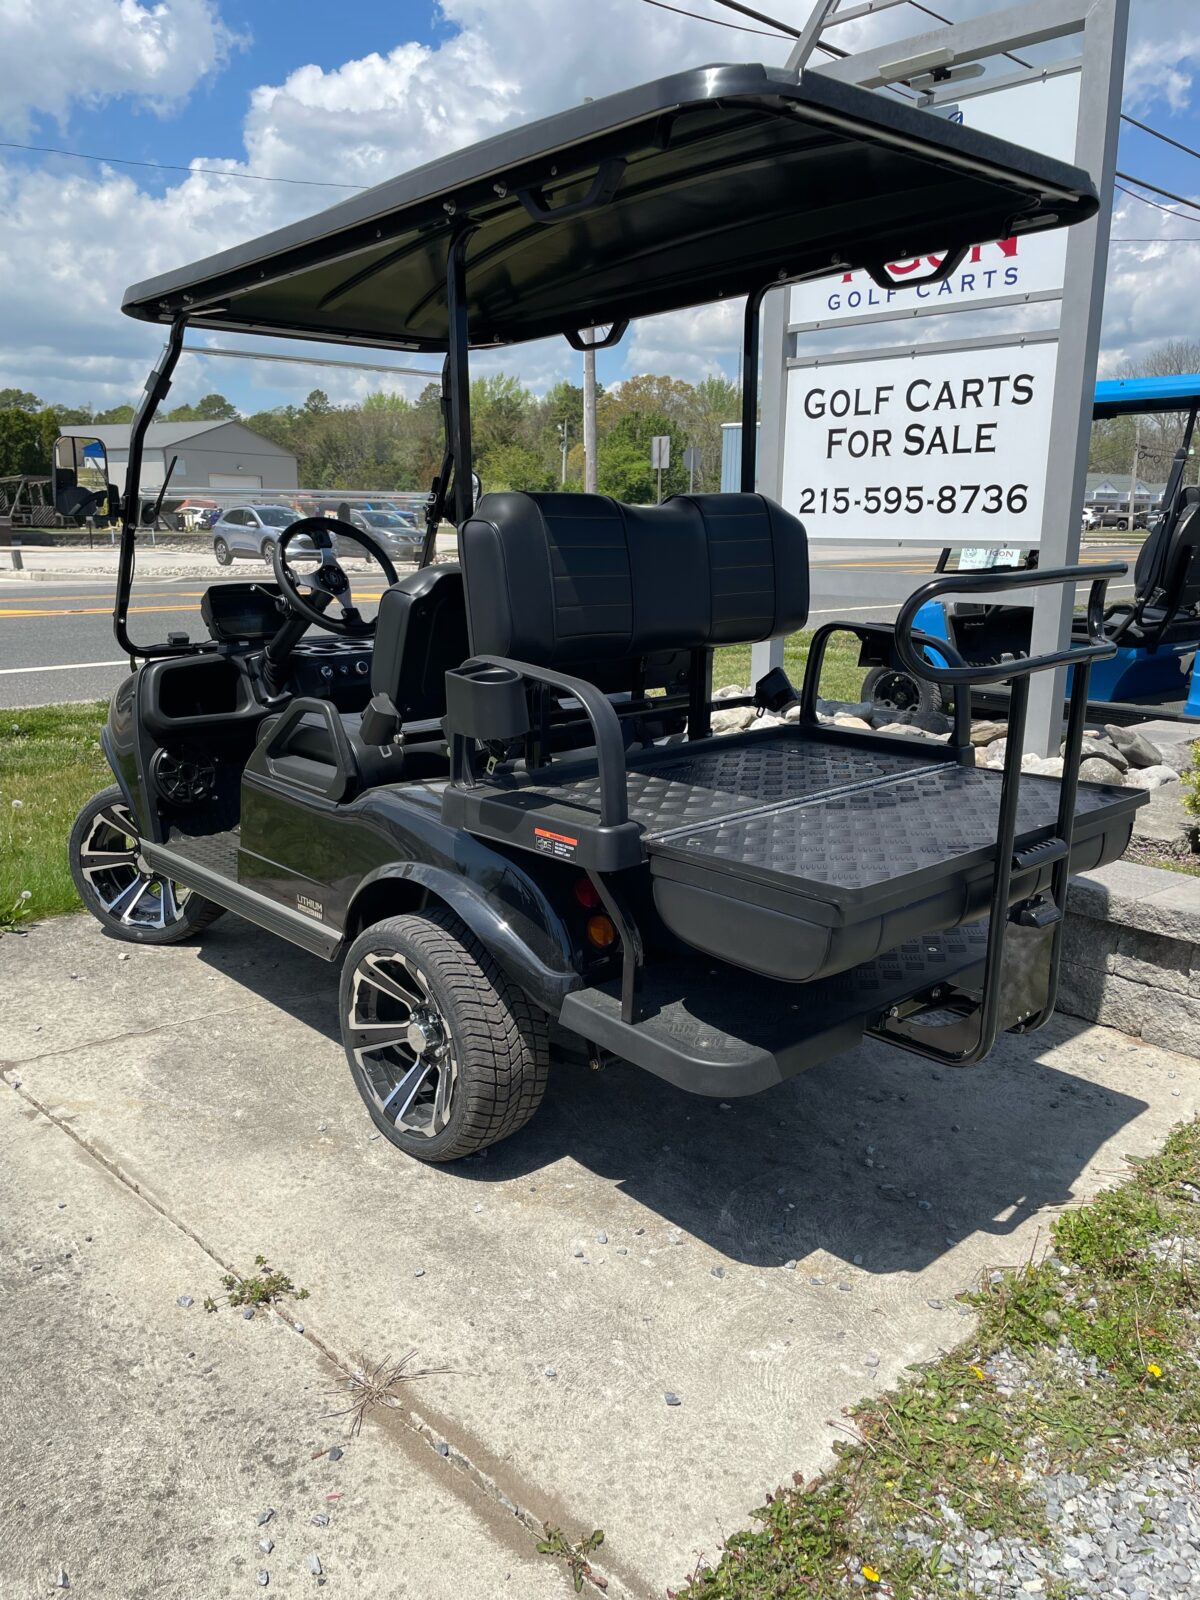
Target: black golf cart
{"type": "Point", "coordinates": [499, 803]}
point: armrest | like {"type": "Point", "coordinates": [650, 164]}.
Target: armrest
{"type": "Point", "coordinates": [606, 727]}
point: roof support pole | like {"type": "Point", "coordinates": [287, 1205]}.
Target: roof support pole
{"type": "Point", "coordinates": [460, 373]}
{"type": "Point", "coordinates": [1103, 72]}
{"type": "Point", "coordinates": [158, 386]}
{"type": "Point", "coordinates": [750, 348]}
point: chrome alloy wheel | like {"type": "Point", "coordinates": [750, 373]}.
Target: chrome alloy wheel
{"type": "Point", "coordinates": [127, 888]}
{"type": "Point", "coordinates": [401, 1043]}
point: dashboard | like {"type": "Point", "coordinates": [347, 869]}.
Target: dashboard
{"type": "Point", "coordinates": [332, 669]}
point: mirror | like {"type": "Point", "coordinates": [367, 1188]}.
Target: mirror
{"type": "Point", "coordinates": [476, 488]}
{"type": "Point", "coordinates": [80, 484]}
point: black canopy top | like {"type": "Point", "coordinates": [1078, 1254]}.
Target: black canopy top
{"type": "Point", "coordinates": [696, 187]}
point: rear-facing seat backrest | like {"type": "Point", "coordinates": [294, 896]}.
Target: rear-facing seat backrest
{"type": "Point", "coordinates": [584, 583]}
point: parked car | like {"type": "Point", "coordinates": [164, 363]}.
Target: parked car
{"type": "Point", "coordinates": [1090, 518]}
{"type": "Point", "coordinates": [1120, 519]}
{"type": "Point", "coordinates": [399, 535]}
{"type": "Point", "coordinates": [254, 531]}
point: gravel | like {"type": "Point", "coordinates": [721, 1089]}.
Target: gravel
{"type": "Point", "coordinates": [1136, 1537]}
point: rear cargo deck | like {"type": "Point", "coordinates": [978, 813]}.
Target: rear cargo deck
{"type": "Point", "coordinates": [799, 851]}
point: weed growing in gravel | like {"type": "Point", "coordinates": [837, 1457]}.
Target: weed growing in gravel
{"type": "Point", "coordinates": [1087, 1361]}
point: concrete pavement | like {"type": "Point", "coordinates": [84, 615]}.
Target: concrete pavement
{"type": "Point", "coordinates": [633, 1240]}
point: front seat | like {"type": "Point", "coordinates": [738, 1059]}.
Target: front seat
{"type": "Point", "coordinates": [420, 634]}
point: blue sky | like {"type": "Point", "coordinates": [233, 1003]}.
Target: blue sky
{"type": "Point", "coordinates": [356, 92]}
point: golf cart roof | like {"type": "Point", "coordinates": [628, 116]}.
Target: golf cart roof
{"type": "Point", "coordinates": [700, 186]}
{"type": "Point", "coordinates": [1127, 397]}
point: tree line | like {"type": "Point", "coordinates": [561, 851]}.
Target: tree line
{"type": "Point", "coordinates": [522, 440]}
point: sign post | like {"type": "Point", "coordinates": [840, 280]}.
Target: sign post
{"type": "Point", "coordinates": [691, 460]}
{"type": "Point", "coordinates": [660, 457]}
{"type": "Point", "coordinates": [978, 441]}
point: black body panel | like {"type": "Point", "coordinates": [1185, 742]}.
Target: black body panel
{"type": "Point", "coordinates": [716, 1031]}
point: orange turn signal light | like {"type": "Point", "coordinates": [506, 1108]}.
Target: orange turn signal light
{"type": "Point", "coordinates": [601, 932]}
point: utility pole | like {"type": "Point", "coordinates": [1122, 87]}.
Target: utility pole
{"type": "Point", "coordinates": [589, 416]}
{"type": "Point", "coordinates": [1137, 450]}
{"type": "Point", "coordinates": [562, 433]}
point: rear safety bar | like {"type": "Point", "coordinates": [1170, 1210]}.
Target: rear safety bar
{"type": "Point", "coordinates": [969, 1040]}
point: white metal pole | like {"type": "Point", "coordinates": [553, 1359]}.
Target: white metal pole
{"type": "Point", "coordinates": [589, 418]}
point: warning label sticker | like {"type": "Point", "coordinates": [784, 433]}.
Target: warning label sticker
{"type": "Point", "coordinates": [554, 844]}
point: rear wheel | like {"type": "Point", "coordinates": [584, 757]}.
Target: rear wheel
{"type": "Point", "coordinates": [447, 1054]}
{"type": "Point", "coordinates": [267, 551]}
{"type": "Point", "coordinates": [119, 888]}
{"type": "Point", "coordinates": [222, 552]}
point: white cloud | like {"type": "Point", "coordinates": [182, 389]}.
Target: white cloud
{"type": "Point", "coordinates": [58, 53]}
{"type": "Point", "coordinates": [360, 121]}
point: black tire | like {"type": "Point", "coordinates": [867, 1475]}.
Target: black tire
{"type": "Point", "coordinates": [267, 550]}
{"type": "Point", "coordinates": [130, 903]}
{"type": "Point", "coordinates": [223, 553]}
{"type": "Point", "coordinates": [893, 689]}
{"type": "Point", "coordinates": [489, 1043]}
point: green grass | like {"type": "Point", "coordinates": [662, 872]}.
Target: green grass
{"type": "Point", "coordinates": [50, 763]}
{"type": "Point", "coordinates": [841, 678]}
{"type": "Point", "coordinates": [949, 1438]}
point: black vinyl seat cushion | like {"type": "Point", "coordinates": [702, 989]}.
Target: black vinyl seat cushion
{"type": "Point", "coordinates": [589, 586]}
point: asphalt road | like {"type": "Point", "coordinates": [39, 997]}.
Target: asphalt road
{"type": "Point", "coordinates": [56, 640]}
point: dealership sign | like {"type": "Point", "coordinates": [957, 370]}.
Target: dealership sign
{"type": "Point", "coordinates": [942, 448]}
{"type": "Point", "coordinates": [1004, 268]}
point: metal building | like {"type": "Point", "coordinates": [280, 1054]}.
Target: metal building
{"type": "Point", "coordinates": [212, 455]}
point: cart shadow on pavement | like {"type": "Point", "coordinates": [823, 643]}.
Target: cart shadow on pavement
{"type": "Point", "coordinates": [878, 1159]}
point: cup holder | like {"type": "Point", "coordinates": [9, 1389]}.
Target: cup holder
{"type": "Point", "coordinates": [486, 702]}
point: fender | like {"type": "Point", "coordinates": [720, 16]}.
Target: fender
{"type": "Point", "coordinates": [547, 977]}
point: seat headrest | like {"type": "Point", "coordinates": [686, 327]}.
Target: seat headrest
{"type": "Point", "coordinates": [569, 580]}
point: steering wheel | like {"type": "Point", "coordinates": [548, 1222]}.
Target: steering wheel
{"type": "Point", "coordinates": [328, 582]}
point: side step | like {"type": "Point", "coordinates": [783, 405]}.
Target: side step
{"type": "Point", "coordinates": [723, 1032]}
{"type": "Point", "coordinates": [216, 883]}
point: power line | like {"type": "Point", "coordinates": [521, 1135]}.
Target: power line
{"type": "Point", "coordinates": [717, 22]}
{"type": "Point", "coordinates": [1146, 201]}
{"type": "Point", "coordinates": [1165, 137]}
{"type": "Point", "coordinates": [760, 16]}
{"type": "Point", "coordinates": [163, 166]}
{"type": "Point", "coordinates": [1155, 238]}
{"type": "Point", "coordinates": [1167, 194]}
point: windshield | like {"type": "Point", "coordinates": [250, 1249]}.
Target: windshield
{"type": "Point", "coordinates": [276, 516]}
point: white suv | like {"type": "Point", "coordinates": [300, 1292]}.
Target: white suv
{"type": "Point", "coordinates": [254, 531]}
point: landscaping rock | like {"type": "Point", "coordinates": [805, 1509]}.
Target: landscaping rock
{"type": "Point", "coordinates": [986, 732]}
{"type": "Point", "coordinates": [1137, 750]}
{"type": "Point", "coordinates": [731, 691]}
{"type": "Point", "coordinates": [1045, 766]}
{"type": "Point", "coordinates": [1103, 750]}
{"type": "Point", "coordinates": [1164, 820]}
{"type": "Point", "coordinates": [1154, 777]}
{"type": "Point", "coordinates": [846, 708]}
{"type": "Point", "coordinates": [1179, 756]}
{"type": "Point", "coordinates": [844, 720]}
{"type": "Point", "coordinates": [733, 721]}
{"type": "Point", "coordinates": [1093, 770]}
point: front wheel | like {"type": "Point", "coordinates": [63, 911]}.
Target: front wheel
{"type": "Point", "coordinates": [222, 552]}
{"type": "Point", "coordinates": [447, 1054]}
{"type": "Point", "coordinates": [124, 894]}
{"type": "Point", "coordinates": [267, 551]}
{"type": "Point", "coordinates": [893, 689]}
